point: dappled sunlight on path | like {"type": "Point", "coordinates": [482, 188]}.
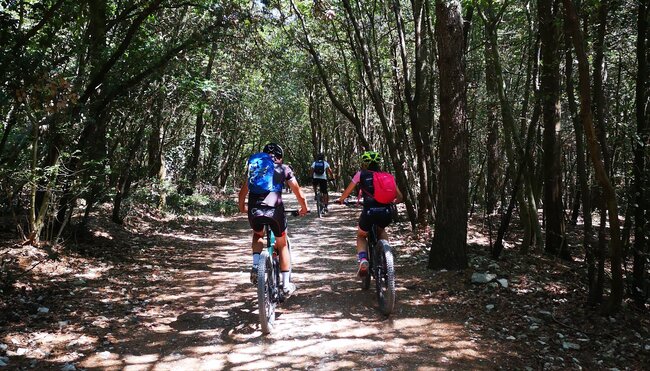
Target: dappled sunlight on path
{"type": "Point", "coordinates": [204, 315]}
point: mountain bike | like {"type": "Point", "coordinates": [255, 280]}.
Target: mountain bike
{"type": "Point", "coordinates": [321, 208]}
{"type": "Point", "coordinates": [269, 281]}
{"type": "Point", "coordinates": [320, 205]}
{"type": "Point", "coordinates": [382, 269]}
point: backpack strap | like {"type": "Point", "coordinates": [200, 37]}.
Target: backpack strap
{"type": "Point", "coordinates": [361, 189]}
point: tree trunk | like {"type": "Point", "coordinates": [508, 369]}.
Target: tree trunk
{"type": "Point", "coordinates": [493, 159]}
{"type": "Point", "coordinates": [582, 177]}
{"type": "Point", "coordinates": [193, 164]}
{"type": "Point", "coordinates": [555, 243]}
{"type": "Point", "coordinates": [599, 102]}
{"type": "Point", "coordinates": [350, 114]}
{"type": "Point", "coordinates": [416, 98]}
{"type": "Point", "coordinates": [373, 87]}
{"type": "Point", "coordinates": [513, 140]}
{"type": "Point", "coordinates": [449, 245]}
{"type": "Point", "coordinates": [640, 170]}
{"type": "Point", "coordinates": [126, 178]}
{"type": "Point", "coordinates": [586, 116]}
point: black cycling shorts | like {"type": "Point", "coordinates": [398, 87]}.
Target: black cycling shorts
{"type": "Point", "coordinates": [321, 183]}
{"type": "Point", "coordinates": [273, 216]}
{"type": "Point", "coordinates": [380, 216]}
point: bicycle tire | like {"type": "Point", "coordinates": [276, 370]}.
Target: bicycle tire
{"type": "Point", "coordinates": [265, 286]}
{"type": "Point", "coordinates": [385, 277]}
{"type": "Point", "coordinates": [319, 204]}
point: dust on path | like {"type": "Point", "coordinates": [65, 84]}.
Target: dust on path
{"type": "Point", "coordinates": [186, 303]}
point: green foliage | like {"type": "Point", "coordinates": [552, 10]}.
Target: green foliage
{"type": "Point", "coordinates": [197, 204]}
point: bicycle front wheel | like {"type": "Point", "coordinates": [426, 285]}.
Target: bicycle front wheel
{"type": "Point", "coordinates": [266, 287]}
{"type": "Point", "coordinates": [385, 277]}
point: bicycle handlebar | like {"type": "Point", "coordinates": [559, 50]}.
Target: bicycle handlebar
{"type": "Point", "coordinates": [295, 212]}
{"type": "Point", "coordinates": [359, 203]}
{"type": "Point", "coordinates": [349, 203]}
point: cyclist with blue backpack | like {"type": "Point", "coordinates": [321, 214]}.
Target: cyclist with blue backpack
{"type": "Point", "coordinates": [320, 169]}
{"type": "Point", "coordinates": [379, 191]}
{"type": "Point", "coordinates": [266, 177]}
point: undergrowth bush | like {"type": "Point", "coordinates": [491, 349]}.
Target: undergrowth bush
{"type": "Point", "coordinates": [179, 203]}
{"type": "Point", "coordinates": [200, 204]}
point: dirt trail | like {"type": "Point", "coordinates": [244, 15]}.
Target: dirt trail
{"type": "Point", "coordinates": [204, 315]}
{"type": "Point", "coordinates": [185, 303]}
{"type": "Point", "coordinates": [173, 293]}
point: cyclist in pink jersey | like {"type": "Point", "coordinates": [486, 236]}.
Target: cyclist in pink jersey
{"type": "Point", "coordinates": [373, 211]}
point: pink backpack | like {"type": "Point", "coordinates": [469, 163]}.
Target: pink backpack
{"type": "Point", "coordinates": [385, 187]}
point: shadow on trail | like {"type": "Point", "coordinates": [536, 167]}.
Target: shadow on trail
{"type": "Point", "coordinates": [187, 303]}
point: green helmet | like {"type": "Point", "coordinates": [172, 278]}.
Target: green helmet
{"type": "Point", "coordinates": [369, 157]}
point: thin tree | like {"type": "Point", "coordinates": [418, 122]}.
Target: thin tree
{"type": "Point", "coordinates": [641, 145]}
{"type": "Point", "coordinates": [586, 116]}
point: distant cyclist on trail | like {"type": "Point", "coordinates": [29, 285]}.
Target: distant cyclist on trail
{"type": "Point", "coordinates": [266, 177]}
{"type": "Point", "coordinates": [379, 191]}
{"type": "Point", "coordinates": [320, 169]}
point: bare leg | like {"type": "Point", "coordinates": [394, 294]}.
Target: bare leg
{"type": "Point", "coordinates": [283, 250]}
{"type": "Point", "coordinates": [257, 244]}
{"type": "Point", "coordinates": [362, 241]}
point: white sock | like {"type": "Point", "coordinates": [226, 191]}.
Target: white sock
{"type": "Point", "coordinates": [285, 278]}
{"type": "Point", "coordinates": [256, 258]}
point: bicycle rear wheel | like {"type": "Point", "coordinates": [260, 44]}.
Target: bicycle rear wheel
{"type": "Point", "coordinates": [266, 287]}
{"type": "Point", "coordinates": [319, 204]}
{"type": "Point", "coordinates": [384, 277]}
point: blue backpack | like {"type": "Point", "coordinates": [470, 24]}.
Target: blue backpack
{"type": "Point", "coordinates": [319, 167]}
{"type": "Point", "coordinates": [261, 169]}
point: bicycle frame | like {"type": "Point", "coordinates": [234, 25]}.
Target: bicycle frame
{"type": "Point", "coordinates": [270, 242]}
{"type": "Point", "coordinates": [372, 268]}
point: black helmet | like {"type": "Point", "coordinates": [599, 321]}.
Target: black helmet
{"type": "Point", "coordinates": [321, 156]}
{"type": "Point", "coordinates": [274, 150]}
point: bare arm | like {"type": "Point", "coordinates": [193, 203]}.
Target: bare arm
{"type": "Point", "coordinates": [347, 192]}
{"type": "Point", "coordinates": [400, 197]}
{"type": "Point", "coordinates": [242, 197]}
{"type": "Point", "coordinates": [295, 187]}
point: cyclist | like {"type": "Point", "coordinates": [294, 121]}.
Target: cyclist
{"type": "Point", "coordinates": [320, 169]}
{"type": "Point", "coordinates": [373, 211]}
{"type": "Point", "coordinates": [267, 208]}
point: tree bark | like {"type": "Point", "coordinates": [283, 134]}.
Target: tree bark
{"type": "Point", "coordinates": [491, 85]}
{"type": "Point", "coordinates": [595, 153]}
{"type": "Point", "coordinates": [449, 245]}
{"type": "Point", "coordinates": [640, 170]}
{"type": "Point", "coordinates": [582, 176]}
{"type": "Point", "coordinates": [555, 243]}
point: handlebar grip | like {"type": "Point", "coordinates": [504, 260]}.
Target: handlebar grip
{"type": "Point", "coordinates": [295, 212]}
